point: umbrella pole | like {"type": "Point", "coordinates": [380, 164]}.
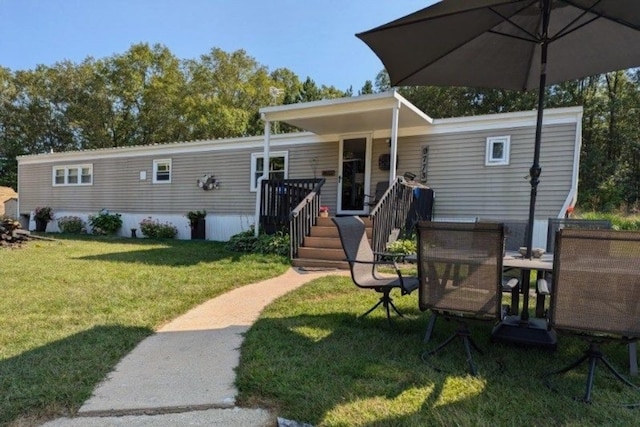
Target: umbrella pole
{"type": "Point", "coordinates": [535, 170]}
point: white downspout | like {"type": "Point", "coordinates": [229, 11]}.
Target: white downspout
{"type": "Point", "coordinates": [394, 144]}
{"type": "Point", "coordinates": [265, 172]}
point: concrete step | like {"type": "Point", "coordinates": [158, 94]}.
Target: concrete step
{"type": "Point", "coordinates": [321, 253]}
{"type": "Point", "coordinates": [319, 264]}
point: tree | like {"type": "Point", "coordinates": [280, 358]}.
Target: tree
{"type": "Point", "coordinates": [367, 88]}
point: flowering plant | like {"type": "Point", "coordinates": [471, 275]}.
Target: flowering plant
{"type": "Point", "coordinates": [105, 223]}
{"type": "Point", "coordinates": [154, 229]}
{"type": "Point", "coordinates": [194, 216]}
{"type": "Point", "coordinates": [44, 213]}
{"type": "Point", "coordinates": [324, 208]}
{"type": "Point", "coordinates": [71, 224]}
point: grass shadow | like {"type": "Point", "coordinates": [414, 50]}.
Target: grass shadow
{"type": "Point", "coordinates": [170, 252]}
{"type": "Point", "coordinates": [311, 359]}
{"type": "Point", "coordinates": [55, 379]}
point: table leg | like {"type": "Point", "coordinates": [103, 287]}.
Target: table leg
{"type": "Point", "coordinates": [525, 280]}
{"type": "Point", "coordinates": [539, 297]}
{"type": "Point", "coordinates": [633, 359]}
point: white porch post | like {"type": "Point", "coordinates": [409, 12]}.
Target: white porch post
{"type": "Point", "coordinates": [394, 144]}
{"type": "Point", "coordinates": [265, 172]}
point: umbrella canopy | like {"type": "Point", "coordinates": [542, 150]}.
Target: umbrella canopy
{"type": "Point", "coordinates": [499, 43]}
{"type": "Point", "coordinates": [509, 44]}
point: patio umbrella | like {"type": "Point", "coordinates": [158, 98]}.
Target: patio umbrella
{"type": "Point", "coordinates": [509, 44]}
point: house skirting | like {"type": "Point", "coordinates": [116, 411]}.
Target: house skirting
{"type": "Point", "coordinates": [218, 227]}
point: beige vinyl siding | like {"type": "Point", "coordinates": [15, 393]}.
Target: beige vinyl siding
{"type": "Point", "coordinates": [466, 188]}
{"type": "Point", "coordinates": [301, 166]}
{"type": "Point", "coordinates": [117, 185]}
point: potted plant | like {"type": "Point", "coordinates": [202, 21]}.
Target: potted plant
{"type": "Point", "coordinates": [42, 216]}
{"type": "Point", "coordinates": [324, 211]}
{"type": "Point", "coordinates": [197, 223]}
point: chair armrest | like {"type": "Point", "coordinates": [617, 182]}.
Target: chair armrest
{"type": "Point", "coordinates": [543, 287]}
{"type": "Point", "coordinates": [510, 284]}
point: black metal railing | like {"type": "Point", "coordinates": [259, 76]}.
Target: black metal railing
{"type": "Point", "coordinates": [394, 213]}
{"type": "Point", "coordinates": [303, 217]}
{"type": "Point", "coordinates": [279, 198]}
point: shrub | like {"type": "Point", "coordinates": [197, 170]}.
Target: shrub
{"type": "Point", "coordinates": [105, 223]}
{"type": "Point", "coordinates": [44, 213]}
{"type": "Point", "coordinates": [71, 224]}
{"type": "Point", "coordinates": [245, 241]}
{"type": "Point", "coordinates": [154, 229]}
{"type": "Point", "coordinates": [242, 242]}
{"type": "Point", "coordinates": [403, 246]}
{"type": "Point", "coordinates": [194, 216]}
{"type": "Point", "coordinates": [277, 244]}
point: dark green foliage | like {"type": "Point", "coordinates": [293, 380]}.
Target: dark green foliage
{"type": "Point", "coordinates": [242, 242]}
{"type": "Point", "coordinates": [246, 241]}
{"type": "Point", "coordinates": [194, 216]}
{"type": "Point", "coordinates": [105, 223]}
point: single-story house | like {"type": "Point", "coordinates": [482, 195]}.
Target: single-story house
{"type": "Point", "coordinates": [477, 166]}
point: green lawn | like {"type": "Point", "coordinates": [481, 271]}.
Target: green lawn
{"type": "Point", "coordinates": [313, 361]}
{"type": "Point", "coordinates": [70, 309]}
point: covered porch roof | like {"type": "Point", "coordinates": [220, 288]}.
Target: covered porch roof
{"type": "Point", "coordinates": [366, 113]}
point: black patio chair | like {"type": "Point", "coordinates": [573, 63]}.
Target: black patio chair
{"type": "Point", "coordinates": [363, 265]}
{"type": "Point", "coordinates": [596, 293]}
{"type": "Point", "coordinates": [460, 270]}
{"type": "Point", "coordinates": [381, 188]}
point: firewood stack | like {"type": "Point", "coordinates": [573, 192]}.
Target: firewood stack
{"type": "Point", "coordinates": [11, 234]}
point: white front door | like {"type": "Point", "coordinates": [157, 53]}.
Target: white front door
{"type": "Point", "coordinates": [354, 172]}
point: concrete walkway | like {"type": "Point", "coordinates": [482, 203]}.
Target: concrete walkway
{"type": "Point", "coordinates": [184, 374]}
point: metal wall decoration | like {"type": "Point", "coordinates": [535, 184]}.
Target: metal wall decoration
{"type": "Point", "coordinates": [208, 182]}
{"type": "Point", "coordinates": [423, 166]}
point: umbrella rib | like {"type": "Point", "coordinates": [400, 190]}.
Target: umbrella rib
{"type": "Point", "coordinates": [533, 38]}
{"type": "Point", "coordinates": [565, 31]}
{"type": "Point", "coordinates": [599, 15]}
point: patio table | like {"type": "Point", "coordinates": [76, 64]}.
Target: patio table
{"type": "Point", "coordinates": [521, 329]}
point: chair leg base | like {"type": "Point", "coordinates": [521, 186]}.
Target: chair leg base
{"type": "Point", "coordinates": [467, 342]}
{"type": "Point", "coordinates": [387, 303]}
{"type": "Point", "coordinates": [592, 355]}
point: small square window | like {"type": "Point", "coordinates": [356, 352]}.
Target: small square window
{"type": "Point", "coordinates": [85, 177]}
{"type": "Point", "coordinates": [497, 152]}
{"type": "Point", "coordinates": [162, 171]}
{"type": "Point", "coordinates": [278, 166]}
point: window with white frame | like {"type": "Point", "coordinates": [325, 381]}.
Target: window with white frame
{"type": "Point", "coordinates": [162, 171]}
{"type": "Point", "coordinates": [73, 175]}
{"type": "Point", "coordinates": [278, 166]}
{"type": "Point", "coordinates": [498, 148]}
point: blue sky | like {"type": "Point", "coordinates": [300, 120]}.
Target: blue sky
{"type": "Point", "coordinates": [314, 38]}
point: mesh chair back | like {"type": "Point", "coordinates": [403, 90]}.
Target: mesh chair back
{"type": "Point", "coordinates": [555, 224]}
{"type": "Point", "coordinates": [460, 267]}
{"type": "Point", "coordinates": [356, 246]}
{"type": "Point", "coordinates": [597, 282]}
